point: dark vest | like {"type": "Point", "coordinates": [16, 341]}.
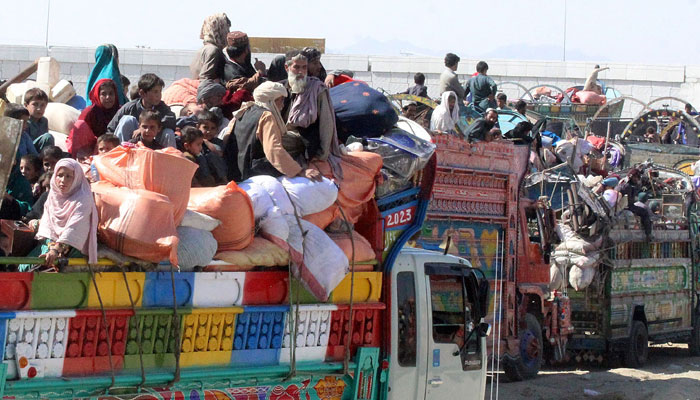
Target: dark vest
{"type": "Point", "coordinates": [244, 152]}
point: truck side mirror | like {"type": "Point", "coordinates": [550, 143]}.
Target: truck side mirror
{"type": "Point", "coordinates": [484, 290]}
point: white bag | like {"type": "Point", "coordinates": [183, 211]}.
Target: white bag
{"type": "Point", "coordinates": [61, 117]}
{"type": "Point", "coordinates": [323, 266]}
{"type": "Point", "coordinates": [259, 197]}
{"type": "Point", "coordinates": [276, 191]}
{"type": "Point", "coordinates": [197, 220]}
{"type": "Point", "coordinates": [196, 247]}
{"type": "Point", "coordinates": [310, 196]}
{"type": "Point", "coordinates": [556, 278]}
{"type": "Point", "coordinates": [580, 278]}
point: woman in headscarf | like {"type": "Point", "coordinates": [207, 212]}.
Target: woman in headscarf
{"type": "Point", "coordinates": [255, 144]}
{"type": "Point", "coordinates": [70, 220]}
{"type": "Point", "coordinates": [93, 120]}
{"type": "Point", "coordinates": [446, 115]}
{"type": "Point", "coordinates": [209, 61]}
{"type": "Point", "coordinates": [277, 72]}
{"type": "Point", "coordinates": [106, 67]}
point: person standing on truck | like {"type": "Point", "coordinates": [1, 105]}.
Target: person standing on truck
{"type": "Point", "coordinates": [592, 81]}
{"type": "Point", "coordinates": [482, 88]}
{"type": "Point", "coordinates": [449, 81]}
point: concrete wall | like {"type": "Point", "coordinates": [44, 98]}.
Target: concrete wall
{"type": "Point", "coordinates": [393, 74]}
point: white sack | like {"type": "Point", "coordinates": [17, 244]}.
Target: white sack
{"type": "Point", "coordinates": [310, 196]}
{"type": "Point", "coordinates": [580, 278]}
{"type": "Point", "coordinates": [197, 220]}
{"type": "Point", "coordinates": [196, 247]}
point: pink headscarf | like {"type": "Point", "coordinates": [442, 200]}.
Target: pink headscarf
{"type": "Point", "coordinates": [71, 217]}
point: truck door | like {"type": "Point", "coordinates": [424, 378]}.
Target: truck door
{"type": "Point", "coordinates": [409, 351]}
{"type": "Point", "coordinates": [455, 369]}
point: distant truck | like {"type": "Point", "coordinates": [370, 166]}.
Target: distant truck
{"type": "Point", "coordinates": [478, 213]}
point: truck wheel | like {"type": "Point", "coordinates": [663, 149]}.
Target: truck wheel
{"type": "Point", "coordinates": [694, 343]}
{"type": "Point", "coordinates": [512, 370]}
{"type": "Point", "coordinates": [530, 347]}
{"type": "Point", "coordinates": [638, 346]}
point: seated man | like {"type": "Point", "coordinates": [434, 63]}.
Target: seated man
{"type": "Point", "coordinates": [125, 121]}
{"type": "Point", "coordinates": [316, 69]}
{"type": "Point", "coordinates": [479, 129]}
{"type": "Point", "coordinates": [308, 112]}
{"type": "Point", "coordinates": [239, 72]}
{"type": "Point", "coordinates": [255, 144]}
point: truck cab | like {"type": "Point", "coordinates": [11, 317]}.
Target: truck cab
{"type": "Point", "coordinates": [438, 337]}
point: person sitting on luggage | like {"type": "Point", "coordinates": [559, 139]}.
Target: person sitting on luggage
{"type": "Point", "coordinates": [208, 123]}
{"type": "Point", "coordinates": [521, 107]}
{"type": "Point", "coordinates": [149, 129]}
{"type": "Point", "coordinates": [35, 100]}
{"type": "Point", "coordinates": [26, 145]}
{"type": "Point", "coordinates": [192, 141]}
{"type": "Point", "coordinates": [482, 88]}
{"type": "Point", "coordinates": [50, 156]}
{"type": "Point", "coordinates": [69, 223]}
{"type": "Point", "coordinates": [446, 115]}
{"type": "Point", "coordinates": [308, 111]}
{"type": "Point", "coordinates": [209, 94]}
{"type": "Point", "coordinates": [255, 145]}
{"type": "Point", "coordinates": [481, 126]}
{"type": "Point", "coordinates": [239, 71]}
{"type": "Point", "coordinates": [502, 102]}
{"type": "Point", "coordinates": [419, 89]}
{"type": "Point", "coordinates": [107, 142]}
{"type": "Point", "coordinates": [316, 69]}
{"type": "Point", "coordinates": [126, 121]}
{"type": "Point", "coordinates": [94, 118]}
{"type": "Point", "coordinates": [611, 195]}
{"type": "Point", "coordinates": [31, 168]}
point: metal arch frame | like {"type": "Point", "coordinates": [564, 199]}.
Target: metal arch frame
{"type": "Point", "coordinates": [568, 98]}
{"type": "Point", "coordinates": [685, 117]}
{"type": "Point", "coordinates": [615, 101]}
{"type": "Point", "coordinates": [527, 91]}
{"type": "Point", "coordinates": [666, 98]}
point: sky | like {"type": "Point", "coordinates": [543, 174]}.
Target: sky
{"type": "Point", "coordinates": [633, 31]}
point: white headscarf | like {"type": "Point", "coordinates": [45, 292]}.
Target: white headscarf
{"type": "Point", "coordinates": [443, 120]}
{"type": "Point", "coordinates": [265, 96]}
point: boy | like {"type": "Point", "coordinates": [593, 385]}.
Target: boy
{"type": "Point", "coordinates": [125, 122]}
{"type": "Point", "coordinates": [192, 141]}
{"type": "Point", "coordinates": [31, 168]}
{"type": "Point", "coordinates": [502, 102]}
{"type": "Point", "coordinates": [107, 142]}
{"type": "Point", "coordinates": [35, 100]}
{"type": "Point", "coordinates": [208, 124]}
{"type": "Point", "coordinates": [25, 141]}
{"type": "Point", "coordinates": [149, 128]}
{"type": "Point", "coordinates": [50, 156]}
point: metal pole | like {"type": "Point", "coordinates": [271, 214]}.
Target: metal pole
{"type": "Point", "coordinates": [48, 15]}
{"type": "Point", "coordinates": [564, 55]}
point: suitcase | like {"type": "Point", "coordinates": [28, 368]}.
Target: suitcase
{"type": "Point", "coordinates": [19, 238]}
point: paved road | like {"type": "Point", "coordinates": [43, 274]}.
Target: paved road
{"type": "Point", "coordinates": [669, 374]}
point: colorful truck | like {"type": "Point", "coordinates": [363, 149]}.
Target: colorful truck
{"type": "Point", "coordinates": [407, 326]}
{"type": "Point", "coordinates": [645, 289]}
{"type": "Point", "coordinates": [478, 213]}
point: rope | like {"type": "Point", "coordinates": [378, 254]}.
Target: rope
{"type": "Point", "coordinates": [346, 358]}
{"type": "Point", "coordinates": [176, 327]}
{"type": "Point", "coordinates": [138, 334]}
{"type": "Point", "coordinates": [104, 327]}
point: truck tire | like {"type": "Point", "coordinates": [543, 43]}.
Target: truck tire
{"type": "Point", "coordinates": [512, 370]}
{"type": "Point", "coordinates": [531, 348]}
{"type": "Point", "coordinates": [638, 347]}
{"type": "Point", "coordinates": [694, 343]}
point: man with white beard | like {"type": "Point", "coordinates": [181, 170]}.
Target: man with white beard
{"type": "Point", "coordinates": [308, 112]}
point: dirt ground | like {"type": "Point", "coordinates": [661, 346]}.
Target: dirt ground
{"type": "Point", "coordinates": [669, 374]}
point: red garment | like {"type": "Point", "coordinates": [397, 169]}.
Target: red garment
{"type": "Point", "coordinates": [92, 123]}
{"type": "Point", "coordinates": [232, 101]}
{"type": "Point", "coordinates": [597, 142]}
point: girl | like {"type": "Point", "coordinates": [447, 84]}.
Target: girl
{"type": "Point", "coordinates": [92, 122]}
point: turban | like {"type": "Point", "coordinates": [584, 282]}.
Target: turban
{"type": "Point", "coordinates": [209, 88]}
{"type": "Point", "coordinates": [610, 182]}
{"type": "Point", "coordinates": [265, 96]}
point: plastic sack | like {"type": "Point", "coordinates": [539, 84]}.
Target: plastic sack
{"type": "Point", "coordinates": [123, 227]}
{"type": "Point", "coordinates": [402, 153]}
{"type": "Point", "coordinates": [260, 253]}
{"type": "Point", "coordinates": [363, 250]}
{"type": "Point", "coordinates": [165, 171]}
{"type": "Point", "coordinates": [196, 248]}
{"type": "Point", "coordinates": [193, 219]}
{"type": "Point", "coordinates": [309, 196]}
{"type": "Point", "coordinates": [556, 277]}
{"type": "Point", "coordinates": [317, 262]}
{"type": "Point", "coordinates": [590, 97]}
{"type": "Point", "coordinates": [581, 278]}
{"type": "Point", "coordinates": [361, 111]}
{"type": "Point", "coordinates": [231, 205]}
{"type": "Point", "coordinates": [61, 117]}
{"type": "Point", "coordinates": [361, 173]}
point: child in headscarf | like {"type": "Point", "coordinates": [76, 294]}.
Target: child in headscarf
{"type": "Point", "coordinates": [70, 216]}
{"type": "Point", "coordinates": [446, 115]}
{"type": "Point", "coordinates": [92, 122]}
{"type": "Point", "coordinates": [106, 67]}
{"type": "Point", "coordinates": [210, 60]}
